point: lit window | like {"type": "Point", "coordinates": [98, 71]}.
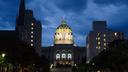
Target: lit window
{"type": "Point", "coordinates": [98, 38]}
{"type": "Point", "coordinates": [31, 36]}
{"type": "Point", "coordinates": [69, 56]}
{"type": "Point", "coordinates": [57, 56]}
{"type": "Point", "coordinates": [31, 44]}
{"type": "Point", "coordinates": [98, 43]}
{"type": "Point", "coordinates": [32, 28]}
{"type": "Point", "coordinates": [99, 47]}
{"type": "Point", "coordinates": [32, 24]}
{"type": "Point", "coordinates": [93, 63]}
{"type": "Point", "coordinates": [104, 40]}
{"type": "Point", "coordinates": [31, 32]}
{"type": "Point", "coordinates": [104, 35]}
{"type": "Point", "coordinates": [63, 56]}
{"type": "Point", "coordinates": [66, 62]}
{"type": "Point", "coordinates": [31, 40]}
{"type": "Point", "coordinates": [104, 44]}
{"type": "Point", "coordinates": [104, 48]}
{"type": "Point", "coordinates": [98, 34]}
{"type": "Point", "coordinates": [115, 34]}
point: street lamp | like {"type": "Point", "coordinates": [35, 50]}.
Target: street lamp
{"type": "Point", "coordinates": [98, 71]}
{"type": "Point", "coordinates": [2, 58]}
{"type": "Point", "coordinates": [3, 55]}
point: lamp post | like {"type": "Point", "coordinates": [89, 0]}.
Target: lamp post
{"type": "Point", "coordinates": [2, 59]}
{"type": "Point", "coordinates": [3, 55]}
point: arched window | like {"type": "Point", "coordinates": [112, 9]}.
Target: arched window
{"type": "Point", "coordinates": [57, 56]}
{"type": "Point", "coordinates": [63, 56]}
{"type": "Point", "coordinates": [69, 56]}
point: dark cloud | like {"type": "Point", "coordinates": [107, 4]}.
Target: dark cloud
{"type": "Point", "coordinates": [71, 5]}
{"type": "Point", "coordinates": [8, 12]}
{"type": "Point", "coordinates": [9, 5]}
{"type": "Point", "coordinates": [116, 2]}
{"type": "Point", "coordinates": [6, 25]}
{"type": "Point", "coordinates": [119, 20]}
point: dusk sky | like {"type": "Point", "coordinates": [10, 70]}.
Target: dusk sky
{"type": "Point", "coordinates": [79, 15]}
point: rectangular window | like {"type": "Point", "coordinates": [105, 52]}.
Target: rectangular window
{"type": "Point", "coordinates": [104, 48]}
{"type": "Point", "coordinates": [104, 44]}
{"type": "Point", "coordinates": [98, 34]}
{"type": "Point", "coordinates": [32, 28]}
{"type": "Point", "coordinates": [31, 36]}
{"type": "Point", "coordinates": [31, 32]}
{"type": "Point", "coordinates": [98, 38]}
{"type": "Point", "coordinates": [31, 40]}
{"type": "Point", "coordinates": [104, 35]}
{"type": "Point", "coordinates": [98, 43]}
{"type": "Point", "coordinates": [31, 44]}
{"type": "Point", "coordinates": [104, 40]}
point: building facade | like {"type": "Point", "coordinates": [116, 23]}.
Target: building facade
{"type": "Point", "coordinates": [28, 29]}
{"type": "Point", "coordinates": [64, 52]}
{"type": "Point", "coordinates": [99, 38]}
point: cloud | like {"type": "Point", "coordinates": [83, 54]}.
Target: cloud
{"type": "Point", "coordinates": [47, 37]}
{"type": "Point", "coordinates": [8, 8]}
{"type": "Point", "coordinates": [71, 5]}
{"type": "Point", "coordinates": [116, 2]}
{"type": "Point", "coordinates": [8, 12]}
{"type": "Point", "coordinates": [6, 26]}
{"type": "Point", "coordinates": [114, 15]}
{"type": "Point", "coordinates": [80, 40]}
{"type": "Point", "coordinates": [119, 19]}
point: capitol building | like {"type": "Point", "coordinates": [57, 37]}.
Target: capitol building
{"type": "Point", "coordinates": [64, 52]}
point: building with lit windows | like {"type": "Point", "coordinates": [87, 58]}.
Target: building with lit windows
{"type": "Point", "coordinates": [28, 29]}
{"type": "Point", "coordinates": [99, 37]}
{"type": "Point", "coordinates": [64, 52]}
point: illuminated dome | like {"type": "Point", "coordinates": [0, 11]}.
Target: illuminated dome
{"type": "Point", "coordinates": [63, 34]}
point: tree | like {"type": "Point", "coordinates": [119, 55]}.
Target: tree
{"type": "Point", "coordinates": [18, 53]}
{"type": "Point", "coordinates": [115, 58]}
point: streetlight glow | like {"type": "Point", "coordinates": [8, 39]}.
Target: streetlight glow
{"type": "Point", "coordinates": [3, 54]}
{"type": "Point", "coordinates": [98, 71]}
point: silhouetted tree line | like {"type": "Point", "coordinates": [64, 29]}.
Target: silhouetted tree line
{"type": "Point", "coordinates": [19, 53]}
